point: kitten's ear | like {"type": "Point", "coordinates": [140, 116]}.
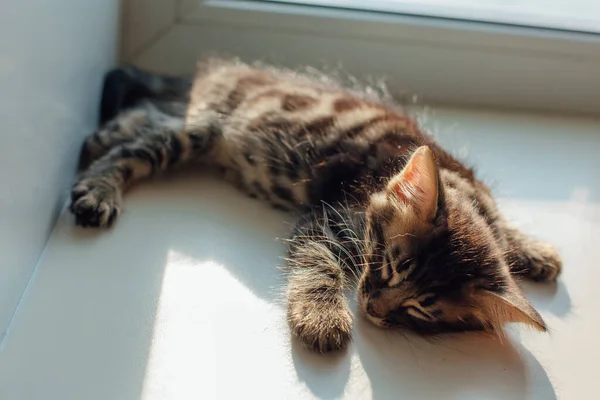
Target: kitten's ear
{"type": "Point", "coordinates": [417, 184]}
{"type": "Point", "coordinates": [511, 306]}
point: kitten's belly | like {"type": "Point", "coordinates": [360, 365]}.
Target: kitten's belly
{"type": "Point", "coordinates": [255, 164]}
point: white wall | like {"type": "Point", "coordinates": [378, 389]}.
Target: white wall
{"type": "Point", "coordinates": [52, 57]}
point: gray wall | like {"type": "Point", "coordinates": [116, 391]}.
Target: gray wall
{"type": "Point", "coordinates": [52, 57]}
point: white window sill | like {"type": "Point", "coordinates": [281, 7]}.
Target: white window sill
{"type": "Point", "coordinates": [182, 299]}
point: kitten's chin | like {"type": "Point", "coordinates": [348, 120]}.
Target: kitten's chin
{"type": "Point", "coordinates": [379, 322]}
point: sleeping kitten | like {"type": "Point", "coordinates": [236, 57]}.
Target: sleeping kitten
{"type": "Point", "coordinates": [378, 198]}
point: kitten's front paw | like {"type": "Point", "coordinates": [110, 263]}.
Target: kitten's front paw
{"type": "Point", "coordinates": [321, 327]}
{"type": "Point", "coordinates": [95, 202]}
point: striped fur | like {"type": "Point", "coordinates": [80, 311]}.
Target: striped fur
{"type": "Point", "coordinates": [379, 200]}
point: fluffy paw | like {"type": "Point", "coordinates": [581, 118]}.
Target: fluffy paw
{"type": "Point", "coordinates": [95, 202]}
{"type": "Point", "coordinates": [537, 261]}
{"type": "Point", "coordinates": [321, 327]}
{"type": "Point", "coordinates": [545, 264]}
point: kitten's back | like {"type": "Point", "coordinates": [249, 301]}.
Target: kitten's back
{"type": "Point", "coordinates": [298, 141]}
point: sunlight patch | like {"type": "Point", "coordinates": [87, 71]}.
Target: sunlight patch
{"type": "Point", "coordinates": [198, 298]}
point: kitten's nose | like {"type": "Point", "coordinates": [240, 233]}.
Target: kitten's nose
{"type": "Point", "coordinates": [371, 309]}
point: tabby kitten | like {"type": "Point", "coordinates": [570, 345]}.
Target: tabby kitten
{"type": "Point", "coordinates": [379, 199]}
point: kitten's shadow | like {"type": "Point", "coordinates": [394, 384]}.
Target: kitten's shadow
{"type": "Point", "coordinates": [465, 366]}
{"type": "Point", "coordinates": [396, 366]}
{"type": "Point", "coordinates": [552, 297]}
{"type": "Point", "coordinates": [325, 375]}
{"type": "Point", "coordinates": [403, 365]}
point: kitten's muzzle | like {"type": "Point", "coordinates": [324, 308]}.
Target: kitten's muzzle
{"type": "Point", "coordinates": [371, 310]}
{"type": "Point", "coordinates": [372, 314]}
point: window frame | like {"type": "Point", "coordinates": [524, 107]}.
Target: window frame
{"type": "Point", "coordinates": [439, 60]}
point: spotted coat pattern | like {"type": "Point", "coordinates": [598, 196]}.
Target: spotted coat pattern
{"type": "Point", "coordinates": [359, 171]}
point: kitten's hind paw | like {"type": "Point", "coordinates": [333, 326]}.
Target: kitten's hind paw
{"type": "Point", "coordinates": [537, 261]}
{"type": "Point", "coordinates": [319, 327]}
{"type": "Point", "coordinates": [546, 263]}
{"type": "Point", "coordinates": [95, 203]}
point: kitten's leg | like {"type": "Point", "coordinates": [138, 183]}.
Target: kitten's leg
{"type": "Point", "coordinates": [531, 258]}
{"type": "Point", "coordinates": [125, 127]}
{"type": "Point", "coordinates": [317, 311]}
{"type": "Point", "coordinates": [125, 115]}
{"type": "Point", "coordinates": [525, 256]}
{"type": "Point", "coordinates": [124, 87]}
{"type": "Point", "coordinates": [96, 196]}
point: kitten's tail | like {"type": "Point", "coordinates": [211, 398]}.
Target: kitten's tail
{"type": "Point", "coordinates": [125, 86]}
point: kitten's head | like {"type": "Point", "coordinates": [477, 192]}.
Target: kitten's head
{"type": "Point", "coordinates": [433, 264]}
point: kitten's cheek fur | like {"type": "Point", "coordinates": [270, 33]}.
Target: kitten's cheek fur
{"type": "Point", "coordinates": [320, 327]}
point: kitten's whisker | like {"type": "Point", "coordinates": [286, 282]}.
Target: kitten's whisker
{"type": "Point", "coordinates": [402, 235]}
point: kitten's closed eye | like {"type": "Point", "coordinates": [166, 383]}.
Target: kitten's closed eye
{"type": "Point", "coordinates": [411, 317]}
{"type": "Point", "coordinates": [403, 314]}
{"type": "Point", "coordinates": [417, 313]}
